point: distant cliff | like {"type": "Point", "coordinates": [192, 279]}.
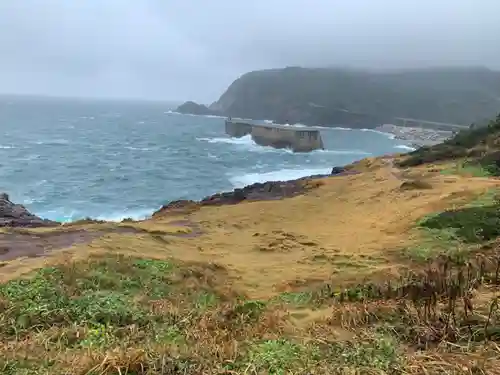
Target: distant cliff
{"type": "Point", "coordinates": [328, 96]}
{"type": "Point", "coordinates": [193, 108]}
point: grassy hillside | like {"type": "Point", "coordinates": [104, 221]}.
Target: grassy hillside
{"type": "Point", "coordinates": [386, 271]}
{"type": "Point", "coordinates": [478, 147]}
{"type": "Point", "coordinates": [363, 98]}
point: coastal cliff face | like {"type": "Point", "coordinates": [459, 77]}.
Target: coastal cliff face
{"type": "Point", "coordinates": [354, 98]}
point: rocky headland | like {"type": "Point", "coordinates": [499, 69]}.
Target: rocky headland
{"type": "Point", "coordinates": [16, 215]}
{"type": "Point", "coordinates": [358, 98]}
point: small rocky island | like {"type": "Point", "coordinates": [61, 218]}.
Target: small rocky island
{"type": "Point", "coordinates": [192, 108]}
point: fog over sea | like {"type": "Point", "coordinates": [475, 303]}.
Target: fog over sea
{"type": "Point", "coordinates": [67, 159]}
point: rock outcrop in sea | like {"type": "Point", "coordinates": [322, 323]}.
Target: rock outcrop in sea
{"type": "Point", "coordinates": [16, 215]}
{"type": "Point", "coordinates": [192, 108]}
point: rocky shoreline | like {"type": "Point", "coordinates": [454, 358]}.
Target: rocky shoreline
{"type": "Point", "coordinates": [271, 190]}
{"type": "Point", "coordinates": [416, 137]}
{"type": "Point", "coordinates": [16, 215]}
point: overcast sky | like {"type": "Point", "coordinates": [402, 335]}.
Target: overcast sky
{"type": "Point", "coordinates": [193, 49]}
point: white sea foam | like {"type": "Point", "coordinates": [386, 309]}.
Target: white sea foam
{"type": "Point", "coordinates": [241, 180]}
{"type": "Point", "coordinates": [52, 142]}
{"type": "Point", "coordinates": [246, 143]}
{"type": "Point", "coordinates": [246, 140]}
{"type": "Point", "coordinates": [71, 216]}
{"type": "Point", "coordinates": [213, 116]}
{"type": "Point", "coordinates": [335, 128]}
{"type": "Point", "coordinates": [388, 135]}
{"type": "Point", "coordinates": [6, 147]}
{"type": "Point", "coordinates": [30, 200]}
{"type": "Point", "coordinates": [405, 147]}
{"type": "Point", "coordinates": [192, 115]}
{"type": "Point", "coordinates": [344, 152]}
{"type": "Point", "coordinates": [132, 214]}
{"type": "Point", "coordinates": [137, 148]}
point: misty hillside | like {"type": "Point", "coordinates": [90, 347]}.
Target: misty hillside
{"type": "Point", "coordinates": [331, 96]}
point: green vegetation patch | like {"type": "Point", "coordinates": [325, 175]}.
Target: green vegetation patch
{"type": "Point", "coordinates": [381, 353]}
{"type": "Point", "coordinates": [469, 224]}
{"type": "Point", "coordinates": [469, 168]}
{"type": "Point", "coordinates": [458, 231]}
{"type": "Point", "coordinates": [279, 356]}
{"type": "Point", "coordinates": [297, 299]}
{"type": "Point", "coordinates": [101, 292]}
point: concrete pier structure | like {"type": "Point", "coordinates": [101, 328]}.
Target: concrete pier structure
{"type": "Point", "coordinates": [297, 139]}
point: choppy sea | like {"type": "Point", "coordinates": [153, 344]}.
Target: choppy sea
{"type": "Point", "coordinates": [67, 159]}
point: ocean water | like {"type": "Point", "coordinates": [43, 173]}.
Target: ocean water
{"type": "Point", "coordinates": [70, 159]}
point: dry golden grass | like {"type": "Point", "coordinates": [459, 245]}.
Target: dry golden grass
{"type": "Point", "coordinates": [345, 229]}
{"type": "Point", "coordinates": [266, 278]}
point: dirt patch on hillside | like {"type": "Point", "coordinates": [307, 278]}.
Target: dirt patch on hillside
{"type": "Point", "coordinates": [17, 244]}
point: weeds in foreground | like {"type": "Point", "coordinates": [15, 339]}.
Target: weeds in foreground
{"type": "Point", "coordinates": [119, 315]}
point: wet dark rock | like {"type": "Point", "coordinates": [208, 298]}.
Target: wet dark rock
{"type": "Point", "coordinates": [16, 215]}
{"type": "Point", "coordinates": [182, 206]}
{"type": "Point", "coordinates": [271, 190]}
{"type": "Point", "coordinates": [259, 191]}
{"type": "Point", "coordinates": [337, 170]}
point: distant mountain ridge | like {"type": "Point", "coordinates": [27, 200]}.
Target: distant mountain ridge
{"type": "Point", "coordinates": [357, 98]}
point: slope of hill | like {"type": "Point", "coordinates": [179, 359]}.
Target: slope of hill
{"type": "Point", "coordinates": [480, 145]}
{"type": "Point", "coordinates": [375, 270]}
{"type": "Point", "coordinates": [328, 96]}
{"type": "Point", "coordinates": [273, 287]}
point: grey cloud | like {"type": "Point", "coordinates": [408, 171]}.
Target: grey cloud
{"type": "Point", "coordinates": [193, 49]}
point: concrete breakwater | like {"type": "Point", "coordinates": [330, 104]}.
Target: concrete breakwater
{"type": "Point", "coordinates": [301, 139]}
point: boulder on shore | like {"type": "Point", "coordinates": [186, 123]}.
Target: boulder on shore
{"type": "Point", "coordinates": [16, 215]}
